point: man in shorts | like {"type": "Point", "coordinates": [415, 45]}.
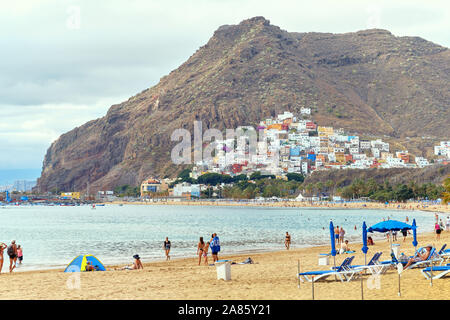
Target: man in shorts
{"type": "Point", "coordinates": [215, 246]}
{"type": "Point", "coordinates": [12, 253]}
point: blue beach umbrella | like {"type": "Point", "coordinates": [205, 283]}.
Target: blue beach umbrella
{"type": "Point", "coordinates": [364, 248]}
{"type": "Point", "coordinates": [389, 226]}
{"type": "Point", "coordinates": [414, 227]}
{"type": "Point", "coordinates": [333, 244]}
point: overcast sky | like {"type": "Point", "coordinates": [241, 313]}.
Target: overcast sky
{"type": "Point", "coordinates": [63, 63]}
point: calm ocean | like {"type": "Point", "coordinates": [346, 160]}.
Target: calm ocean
{"type": "Point", "coordinates": [53, 236]}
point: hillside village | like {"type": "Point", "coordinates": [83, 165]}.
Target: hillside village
{"type": "Point", "coordinates": [295, 144]}
{"type": "Point", "coordinates": [298, 144]}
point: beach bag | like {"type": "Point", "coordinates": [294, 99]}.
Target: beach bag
{"type": "Point", "coordinates": [10, 251]}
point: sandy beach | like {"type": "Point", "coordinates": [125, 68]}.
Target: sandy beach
{"type": "Point", "coordinates": [305, 204]}
{"type": "Point", "coordinates": [273, 277]}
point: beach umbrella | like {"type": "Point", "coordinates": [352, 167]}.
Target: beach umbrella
{"type": "Point", "coordinates": [389, 226]}
{"type": "Point", "coordinates": [333, 244]}
{"type": "Point", "coordinates": [414, 227]}
{"type": "Point", "coordinates": [365, 248]}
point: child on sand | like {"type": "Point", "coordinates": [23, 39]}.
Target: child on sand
{"type": "Point", "coordinates": [20, 253]}
{"type": "Point", "coordinates": [205, 253]}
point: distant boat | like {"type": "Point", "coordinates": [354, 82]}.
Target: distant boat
{"type": "Point", "coordinates": [101, 205]}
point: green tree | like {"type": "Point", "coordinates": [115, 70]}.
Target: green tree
{"type": "Point", "coordinates": [295, 176]}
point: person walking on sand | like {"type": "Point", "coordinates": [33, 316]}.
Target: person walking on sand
{"type": "Point", "coordinates": [166, 247]}
{"type": "Point", "coordinates": [12, 253]}
{"type": "Point", "coordinates": [200, 249]}
{"type": "Point", "coordinates": [19, 253]}
{"type": "Point", "coordinates": [287, 241]}
{"type": "Point", "coordinates": [3, 246]}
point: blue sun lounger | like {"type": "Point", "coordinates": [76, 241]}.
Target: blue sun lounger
{"type": "Point", "coordinates": [441, 271]}
{"type": "Point", "coordinates": [433, 257]}
{"type": "Point", "coordinates": [342, 272]}
{"type": "Point", "coordinates": [374, 265]}
{"type": "Point", "coordinates": [444, 253]}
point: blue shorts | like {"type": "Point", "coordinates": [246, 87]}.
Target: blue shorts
{"type": "Point", "coordinates": [214, 252]}
{"type": "Point", "coordinates": [336, 236]}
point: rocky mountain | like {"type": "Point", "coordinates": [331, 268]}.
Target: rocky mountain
{"type": "Point", "coordinates": [368, 82]}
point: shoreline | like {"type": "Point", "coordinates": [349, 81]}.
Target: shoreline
{"type": "Point", "coordinates": [298, 204]}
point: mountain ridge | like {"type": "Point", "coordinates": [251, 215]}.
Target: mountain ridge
{"type": "Point", "coordinates": [368, 82]}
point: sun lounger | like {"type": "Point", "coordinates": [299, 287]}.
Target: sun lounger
{"type": "Point", "coordinates": [342, 272]}
{"type": "Point", "coordinates": [436, 272]}
{"type": "Point", "coordinates": [432, 258]}
{"type": "Point", "coordinates": [374, 265]}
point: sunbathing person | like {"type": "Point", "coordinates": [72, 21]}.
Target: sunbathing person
{"type": "Point", "coordinates": [344, 247]}
{"type": "Point", "coordinates": [137, 264]}
{"type": "Point", "coordinates": [419, 257]}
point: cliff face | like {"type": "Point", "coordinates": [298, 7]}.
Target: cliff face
{"type": "Point", "coordinates": [368, 82]}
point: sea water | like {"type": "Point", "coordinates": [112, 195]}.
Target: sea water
{"type": "Point", "coordinates": [51, 236]}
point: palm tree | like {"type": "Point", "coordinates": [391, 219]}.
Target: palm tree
{"type": "Point", "coordinates": [446, 193]}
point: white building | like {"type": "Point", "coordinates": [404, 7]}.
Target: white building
{"type": "Point", "coordinates": [305, 110]}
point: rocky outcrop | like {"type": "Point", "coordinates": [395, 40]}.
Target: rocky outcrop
{"type": "Point", "coordinates": [368, 82]}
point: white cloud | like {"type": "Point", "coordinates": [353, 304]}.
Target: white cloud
{"type": "Point", "coordinates": [55, 77]}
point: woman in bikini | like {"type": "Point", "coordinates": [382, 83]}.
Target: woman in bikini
{"type": "Point", "coordinates": [287, 241]}
{"type": "Point", "coordinates": [200, 249]}
{"type": "Point", "coordinates": [3, 246]}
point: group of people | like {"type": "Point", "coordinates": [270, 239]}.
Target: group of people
{"type": "Point", "coordinates": [14, 251]}
{"type": "Point", "coordinates": [203, 248]}
{"type": "Point", "coordinates": [339, 234]}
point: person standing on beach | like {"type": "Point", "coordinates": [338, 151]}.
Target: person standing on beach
{"type": "Point", "coordinates": [287, 241]}
{"type": "Point", "coordinates": [437, 229]}
{"type": "Point", "coordinates": [447, 223]}
{"type": "Point", "coordinates": [205, 253]}
{"type": "Point", "coordinates": [341, 235]}
{"type": "Point", "coordinates": [200, 248]}
{"type": "Point", "coordinates": [166, 247]}
{"type": "Point", "coordinates": [20, 253]}
{"type": "Point", "coordinates": [215, 246]}
{"type": "Point", "coordinates": [336, 234]}
{"type": "Point", "coordinates": [405, 234]}
{"type": "Point", "coordinates": [12, 253]}
{"type": "Point", "coordinates": [3, 246]}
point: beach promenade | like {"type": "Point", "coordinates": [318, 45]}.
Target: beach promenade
{"type": "Point", "coordinates": [273, 276]}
